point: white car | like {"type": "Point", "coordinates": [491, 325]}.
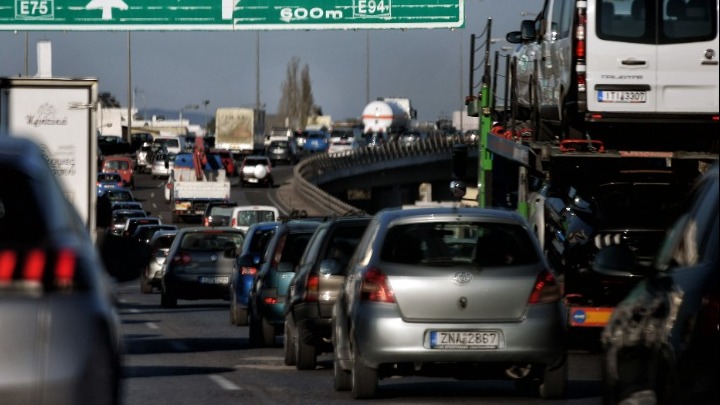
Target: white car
{"type": "Point", "coordinates": [338, 144]}
{"type": "Point", "coordinates": [245, 215]}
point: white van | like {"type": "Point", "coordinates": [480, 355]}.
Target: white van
{"type": "Point", "coordinates": [625, 61]}
{"type": "Point", "coordinates": [245, 215]}
{"type": "Point", "coordinates": [172, 143]}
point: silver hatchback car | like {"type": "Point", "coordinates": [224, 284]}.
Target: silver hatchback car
{"type": "Point", "coordinates": [450, 292]}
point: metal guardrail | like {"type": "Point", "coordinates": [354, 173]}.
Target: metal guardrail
{"type": "Point", "coordinates": [368, 159]}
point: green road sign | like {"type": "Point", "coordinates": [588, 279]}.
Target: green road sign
{"type": "Point", "coordinates": [227, 15]}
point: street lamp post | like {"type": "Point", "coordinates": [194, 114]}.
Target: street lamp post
{"type": "Point", "coordinates": [205, 103]}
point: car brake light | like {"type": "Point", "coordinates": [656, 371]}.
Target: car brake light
{"type": "Point", "coordinates": [206, 222]}
{"type": "Point", "coordinates": [248, 271]}
{"type": "Point", "coordinates": [270, 300]}
{"type": "Point", "coordinates": [312, 289]}
{"type": "Point", "coordinates": [181, 258]}
{"type": "Point", "coordinates": [546, 289]}
{"type": "Point", "coordinates": [37, 267]}
{"type": "Point", "coordinates": [233, 222]}
{"type": "Point", "coordinates": [375, 287]}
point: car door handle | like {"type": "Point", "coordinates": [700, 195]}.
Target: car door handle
{"type": "Point", "coordinates": [629, 62]}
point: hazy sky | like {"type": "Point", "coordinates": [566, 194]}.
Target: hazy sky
{"type": "Point", "coordinates": [173, 69]}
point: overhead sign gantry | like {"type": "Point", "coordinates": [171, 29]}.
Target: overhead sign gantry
{"type": "Point", "coordinates": [228, 15]}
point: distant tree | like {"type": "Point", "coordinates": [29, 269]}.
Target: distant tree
{"type": "Point", "coordinates": [297, 103]}
{"type": "Point", "coordinates": [108, 100]}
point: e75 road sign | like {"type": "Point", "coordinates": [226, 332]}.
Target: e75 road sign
{"type": "Point", "coordinates": [227, 15]}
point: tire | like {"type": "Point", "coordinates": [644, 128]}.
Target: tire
{"type": "Point", "coordinates": [238, 316]}
{"type": "Point", "coordinates": [364, 380]}
{"type": "Point", "coordinates": [554, 381]}
{"type": "Point", "coordinates": [267, 333]}
{"type": "Point", "coordinates": [342, 380]}
{"type": "Point", "coordinates": [305, 354]}
{"type": "Point", "coordinates": [167, 300]}
{"type": "Point", "coordinates": [254, 332]}
{"type": "Point", "coordinates": [145, 286]}
{"type": "Point", "coordinates": [289, 343]}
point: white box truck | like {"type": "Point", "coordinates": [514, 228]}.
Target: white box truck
{"type": "Point", "coordinates": [58, 114]}
{"type": "Point", "coordinates": [240, 130]}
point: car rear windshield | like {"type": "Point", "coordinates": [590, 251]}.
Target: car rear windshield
{"type": "Point", "coordinates": [19, 221]}
{"type": "Point", "coordinates": [247, 218]}
{"type": "Point", "coordinates": [452, 243]}
{"type": "Point", "coordinates": [117, 164]}
{"type": "Point", "coordinates": [640, 21]}
{"type": "Point", "coordinates": [212, 241]}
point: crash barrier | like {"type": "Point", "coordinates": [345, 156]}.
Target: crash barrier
{"type": "Point", "coordinates": [310, 173]}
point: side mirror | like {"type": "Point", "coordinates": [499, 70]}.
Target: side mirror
{"type": "Point", "coordinates": [514, 37]}
{"type": "Point", "coordinates": [527, 30]}
{"type": "Point", "coordinates": [458, 188]}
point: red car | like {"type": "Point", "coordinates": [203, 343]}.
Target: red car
{"type": "Point", "coordinates": [122, 165]}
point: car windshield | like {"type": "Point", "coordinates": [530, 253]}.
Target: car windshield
{"type": "Point", "coordinates": [452, 243]}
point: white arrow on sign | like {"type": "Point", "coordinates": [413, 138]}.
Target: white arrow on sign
{"type": "Point", "coordinates": [228, 7]}
{"type": "Point", "coordinates": [106, 6]}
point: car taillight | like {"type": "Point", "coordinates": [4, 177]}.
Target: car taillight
{"type": "Point", "coordinates": [206, 222]}
{"type": "Point", "coordinates": [375, 287]}
{"type": "Point", "coordinates": [37, 267]}
{"type": "Point", "coordinates": [270, 300]}
{"type": "Point", "coordinates": [580, 50]}
{"type": "Point", "coordinates": [181, 258]}
{"type": "Point", "coordinates": [233, 222]}
{"type": "Point", "coordinates": [248, 271]}
{"type": "Point", "coordinates": [312, 288]}
{"type": "Point", "coordinates": [546, 289]}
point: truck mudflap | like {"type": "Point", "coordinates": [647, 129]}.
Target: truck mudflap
{"type": "Point", "coordinates": [589, 317]}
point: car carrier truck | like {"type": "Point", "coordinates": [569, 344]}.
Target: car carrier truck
{"type": "Point", "coordinates": [580, 197]}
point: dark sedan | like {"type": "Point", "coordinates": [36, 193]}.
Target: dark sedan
{"type": "Point", "coordinates": [199, 264]}
{"type": "Point", "coordinates": [661, 344]}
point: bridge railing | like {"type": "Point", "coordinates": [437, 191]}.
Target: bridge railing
{"type": "Point", "coordinates": [310, 170]}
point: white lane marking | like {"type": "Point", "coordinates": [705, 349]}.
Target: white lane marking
{"type": "Point", "coordinates": [151, 325]}
{"type": "Point", "coordinates": [134, 311]}
{"type": "Point", "coordinates": [224, 383]}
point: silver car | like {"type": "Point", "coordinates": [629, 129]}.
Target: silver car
{"type": "Point", "coordinates": [159, 246]}
{"type": "Point", "coordinates": [453, 292]}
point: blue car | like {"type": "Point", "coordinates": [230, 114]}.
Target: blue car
{"type": "Point", "coordinates": [266, 307]}
{"type": "Point", "coordinates": [256, 241]}
{"type": "Point", "coordinates": [108, 181]}
{"type": "Point", "coordinates": [316, 141]}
